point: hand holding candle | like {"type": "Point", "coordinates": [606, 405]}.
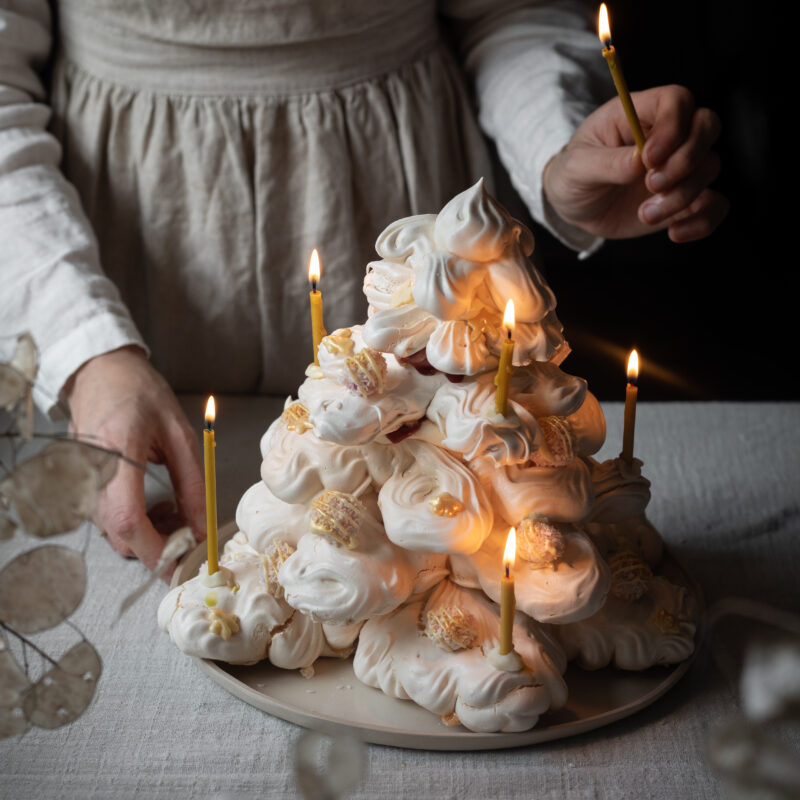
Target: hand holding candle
{"type": "Point", "coordinates": [315, 299]}
{"type": "Point", "coordinates": [505, 369]}
{"type": "Point", "coordinates": [631, 392]}
{"type": "Point", "coordinates": [610, 55]}
{"type": "Point", "coordinates": [209, 443]}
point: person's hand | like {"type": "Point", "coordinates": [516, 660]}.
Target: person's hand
{"type": "Point", "coordinates": [599, 183]}
{"type": "Point", "coordinates": [122, 401]}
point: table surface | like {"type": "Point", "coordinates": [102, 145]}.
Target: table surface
{"type": "Point", "coordinates": [725, 497]}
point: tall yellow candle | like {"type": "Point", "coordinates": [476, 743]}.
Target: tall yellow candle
{"type": "Point", "coordinates": [209, 443]}
{"type": "Point", "coordinates": [506, 367]}
{"type": "Point", "coordinates": [631, 392]}
{"type": "Point", "coordinates": [315, 299]}
{"type": "Point", "coordinates": [508, 602]}
{"type": "Point", "coordinates": [610, 55]}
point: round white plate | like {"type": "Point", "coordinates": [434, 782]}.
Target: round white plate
{"type": "Point", "coordinates": [334, 700]}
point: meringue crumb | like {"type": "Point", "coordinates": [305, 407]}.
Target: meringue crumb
{"type": "Point", "coordinates": [307, 672]}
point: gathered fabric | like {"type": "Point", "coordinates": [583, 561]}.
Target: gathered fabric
{"type": "Point", "coordinates": [198, 151]}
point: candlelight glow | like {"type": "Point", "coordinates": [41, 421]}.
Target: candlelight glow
{"type": "Point", "coordinates": [211, 410]}
{"type": "Point", "coordinates": [508, 318]}
{"type": "Point", "coordinates": [313, 266]}
{"type": "Point", "coordinates": [510, 553]}
{"type": "Point", "coordinates": [603, 27]}
{"type": "Point", "coordinates": [633, 366]}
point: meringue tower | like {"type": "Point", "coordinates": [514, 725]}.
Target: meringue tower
{"type": "Point", "coordinates": [389, 487]}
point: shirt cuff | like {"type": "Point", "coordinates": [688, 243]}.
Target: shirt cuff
{"type": "Point", "coordinates": [59, 362]}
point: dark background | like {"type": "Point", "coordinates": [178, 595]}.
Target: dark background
{"type": "Point", "coordinates": [711, 319]}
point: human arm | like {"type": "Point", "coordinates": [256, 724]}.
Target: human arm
{"type": "Point", "coordinates": [537, 72]}
{"type": "Point", "coordinates": [90, 352]}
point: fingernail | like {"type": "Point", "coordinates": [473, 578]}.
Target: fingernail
{"type": "Point", "coordinates": [657, 180]}
{"type": "Point", "coordinates": [652, 210]}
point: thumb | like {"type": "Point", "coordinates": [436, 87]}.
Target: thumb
{"type": "Point", "coordinates": [182, 458]}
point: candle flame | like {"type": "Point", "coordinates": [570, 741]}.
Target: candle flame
{"type": "Point", "coordinates": [510, 553]}
{"type": "Point", "coordinates": [603, 26]}
{"type": "Point", "coordinates": [633, 366]}
{"type": "Point", "coordinates": [211, 410]}
{"type": "Point", "coordinates": [508, 318]}
{"type": "Point", "coordinates": [313, 266]}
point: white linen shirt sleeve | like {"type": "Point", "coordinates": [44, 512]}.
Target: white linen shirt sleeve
{"type": "Point", "coordinates": [537, 73]}
{"type": "Point", "coordinates": [53, 285]}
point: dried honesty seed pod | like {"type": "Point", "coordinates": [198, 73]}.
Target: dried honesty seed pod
{"type": "Point", "coordinates": [41, 588]}
{"type": "Point", "coordinates": [14, 685]}
{"type": "Point", "coordinates": [272, 559]}
{"type": "Point", "coordinates": [57, 489]}
{"type": "Point", "coordinates": [338, 515]}
{"type": "Point", "coordinates": [630, 576]}
{"type": "Point", "coordinates": [7, 527]}
{"type": "Point", "coordinates": [296, 418]}
{"type": "Point", "coordinates": [539, 543]}
{"type": "Point", "coordinates": [365, 372]}
{"type": "Point", "coordinates": [558, 449]}
{"type": "Point", "coordinates": [64, 693]}
{"type": "Point", "coordinates": [339, 342]}
{"type": "Point", "coordinates": [222, 623]}
{"type": "Point", "coordinates": [451, 628]}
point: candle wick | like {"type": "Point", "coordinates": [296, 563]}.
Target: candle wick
{"type": "Point", "coordinates": [209, 425]}
{"type": "Point", "coordinates": [507, 572]}
{"type": "Point", "coordinates": [508, 333]}
{"type": "Point", "coordinates": [313, 286]}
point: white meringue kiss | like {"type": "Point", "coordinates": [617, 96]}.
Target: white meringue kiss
{"type": "Point", "coordinates": [408, 239]}
{"type": "Point", "coordinates": [464, 414]}
{"type": "Point", "coordinates": [474, 225]}
{"type": "Point", "coordinates": [572, 589]}
{"type": "Point", "coordinates": [408, 516]}
{"type": "Point", "coordinates": [462, 685]}
{"type": "Point", "coordinates": [512, 276]}
{"type": "Point", "coordinates": [261, 517]}
{"type": "Point", "coordinates": [621, 492]}
{"type": "Point", "coordinates": [547, 391]}
{"type": "Point", "coordinates": [455, 348]}
{"type": "Point", "coordinates": [387, 284]}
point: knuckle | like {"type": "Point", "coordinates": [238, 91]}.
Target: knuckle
{"type": "Point", "coordinates": [124, 522]}
{"type": "Point", "coordinates": [681, 96]}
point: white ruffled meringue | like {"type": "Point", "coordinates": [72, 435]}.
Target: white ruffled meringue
{"type": "Point", "coordinates": [562, 494]}
{"type": "Point", "coordinates": [338, 415]}
{"type": "Point", "coordinates": [475, 226]}
{"type": "Point", "coordinates": [620, 489]}
{"type": "Point", "coordinates": [334, 584]}
{"type": "Point", "coordinates": [512, 275]}
{"type": "Point", "coordinates": [462, 686]}
{"type": "Point", "coordinates": [387, 284]}
{"type": "Point", "coordinates": [547, 391]}
{"type": "Point", "coordinates": [657, 629]}
{"type": "Point", "coordinates": [445, 285]}
{"type": "Point", "coordinates": [572, 589]}
{"type": "Point", "coordinates": [464, 414]}
{"type": "Point", "coordinates": [297, 467]}
{"type": "Point", "coordinates": [241, 622]}
{"type": "Point", "coordinates": [416, 521]}
{"type": "Point", "coordinates": [401, 331]}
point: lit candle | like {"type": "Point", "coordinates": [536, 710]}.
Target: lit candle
{"type": "Point", "coordinates": [610, 55]}
{"type": "Point", "coordinates": [506, 369]}
{"type": "Point", "coordinates": [315, 298]}
{"type": "Point", "coordinates": [209, 443]}
{"type": "Point", "coordinates": [508, 603]}
{"type": "Point", "coordinates": [630, 407]}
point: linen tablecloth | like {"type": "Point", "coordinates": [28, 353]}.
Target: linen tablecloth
{"type": "Point", "coordinates": [725, 497]}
